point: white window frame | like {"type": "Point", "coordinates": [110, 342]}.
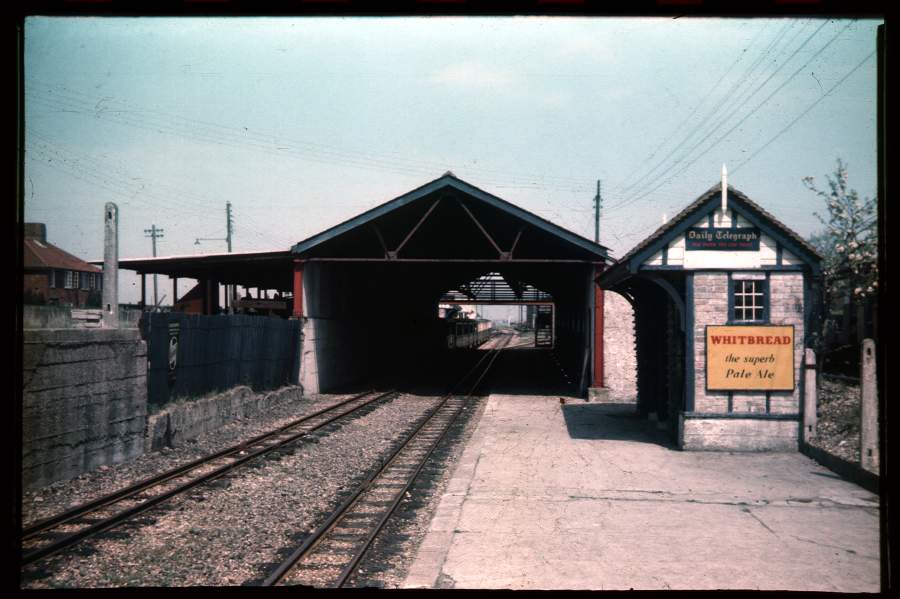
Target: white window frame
{"type": "Point", "coordinates": [755, 292]}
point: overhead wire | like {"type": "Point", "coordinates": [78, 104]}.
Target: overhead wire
{"type": "Point", "coordinates": [718, 124]}
{"type": "Point", "coordinates": [227, 133]}
{"type": "Point", "coordinates": [736, 125]}
{"type": "Point", "coordinates": [708, 117]}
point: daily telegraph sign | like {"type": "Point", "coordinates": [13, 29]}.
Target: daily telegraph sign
{"type": "Point", "coordinates": [719, 238]}
{"type": "Point", "coordinates": [750, 358]}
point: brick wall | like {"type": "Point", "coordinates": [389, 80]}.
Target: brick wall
{"type": "Point", "coordinates": [786, 289]}
{"type": "Point", "coordinates": [710, 308]}
{"type": "Point", "coordinates": [84, 401]}
{"type": "Point", "coordinates": [619, 358]}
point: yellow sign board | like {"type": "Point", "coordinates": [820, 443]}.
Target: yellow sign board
{"type": "Point", "coordinates": [750, 358]}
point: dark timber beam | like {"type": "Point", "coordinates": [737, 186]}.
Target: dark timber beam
{"type": "Point", "coordinates": [480, 228]}
{"type": "Point", "coordinates": [393, 255]}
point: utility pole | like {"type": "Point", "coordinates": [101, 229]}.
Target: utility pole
{"type": "Point", "coordinates": [229, 230]}
{"type": "Point", "coordinates": [229, 222]}
{"type": "Point", "coordinates": [229, 289]}
{"type": "Point", "coordinates": [154, 233]}
{"type": "Point", "coordinates": [598, 202]}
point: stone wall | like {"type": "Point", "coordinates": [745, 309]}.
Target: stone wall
{"type": "Point", "coordinates": [182, 421]}
{"type": "Point", "coordinates": [619, 356]}
{"type": "Point", "coordinates": [60, 317]}
{"type": "Point", "coordinates": [738, 434]}
{"type": "Point", "coordinates": [84, 401]}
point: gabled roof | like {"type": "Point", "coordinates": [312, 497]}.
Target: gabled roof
{"type": "Point", "coordinates": [445, 182]}
{"type": "Point", "coordinates": [40, 254]}
{"type": "Point", "coordinates": [194, 293]}
{"type": "Point", "coordinates": [703, 204]}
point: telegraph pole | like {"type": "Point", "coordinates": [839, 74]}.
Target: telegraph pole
{"type": "Point", "coordinates": [229, 230]}
{"type": "Point", "coordinates": [598, 202]}
{"type": "Point", "coordinates": [229, 221]}
{"type": "Point", "coordinates": [154, 233]}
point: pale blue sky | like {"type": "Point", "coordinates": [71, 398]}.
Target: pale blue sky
{"type": "Point", "coordinates": [302, 123]}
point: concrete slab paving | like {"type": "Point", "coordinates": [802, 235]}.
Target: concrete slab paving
{"type": "Point", "coordinates": [587, 496]}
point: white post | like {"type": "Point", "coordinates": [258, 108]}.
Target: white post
{"type": "Point", "coordinates": [810, 418]}
{"type": "Point", "coordinates": [724, 191]}
{"type": "Point", "coordinates": [868, 430]}
{"type": "Point", "coordinates": [111, 266]}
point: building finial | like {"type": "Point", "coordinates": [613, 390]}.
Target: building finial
{"type": "Point", "coordinates": [724, 190]}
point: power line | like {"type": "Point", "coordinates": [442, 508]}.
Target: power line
{"type": "Point", "coordinates": [805, 112]}
{"type": "Point", "coordinates": [721, 122]}
{"type": "Point", "coordinates": [739, 82]}
{"type": "Point", "coordinates": [741, 122]}
{"type": "Point", "coordinates": [705, 97]}
{"type": "Point", "coordinates": [227, 134]}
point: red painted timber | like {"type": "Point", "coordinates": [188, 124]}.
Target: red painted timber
{"type": "Point", "coordinates": [298, 289]}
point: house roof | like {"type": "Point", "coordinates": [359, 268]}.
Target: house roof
{"type": "Point", "coordinates": [691, 211]}
{"type": "Point", "coordinates": [194, 293]}
{"type": "Point", "coordinates": [40, 254]}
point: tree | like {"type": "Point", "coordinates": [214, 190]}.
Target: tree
{"type": "Point", "coordinates": [848, 245]}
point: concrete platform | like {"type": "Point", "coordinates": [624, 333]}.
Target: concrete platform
{"type": "Point", "coordinates": [588, 496]}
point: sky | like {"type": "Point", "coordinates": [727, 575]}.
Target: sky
{"type": "Point", "coordinates": [301, 123]}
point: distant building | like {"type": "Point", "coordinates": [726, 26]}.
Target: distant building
{"type": "Point", "coordinates": [191, 302]}
{"type": "Point", "coordinates": [54, 276]}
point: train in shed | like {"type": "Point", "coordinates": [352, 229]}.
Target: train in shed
{"type": "Point", "coordinates": [467, 333]}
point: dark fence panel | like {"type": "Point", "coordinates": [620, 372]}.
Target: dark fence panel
{"type": "Point", "coordinates": [192, 355]}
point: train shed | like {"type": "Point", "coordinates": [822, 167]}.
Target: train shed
{"type": "Point", "coordinates": [367, 290]}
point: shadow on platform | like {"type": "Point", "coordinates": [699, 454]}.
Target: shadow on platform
{"type": "Point", "coordinates": [612, 422]}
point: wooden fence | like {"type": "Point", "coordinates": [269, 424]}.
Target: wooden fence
{"type": "Point", "coordinates": [192, 355]}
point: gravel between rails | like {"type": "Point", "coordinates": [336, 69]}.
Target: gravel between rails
{"type": "Point", "coordinates": [60, 496]}
{"type": "Point", "coordinates": [387, 563]}
{"type": "Point", "coordinates": [234, 530]}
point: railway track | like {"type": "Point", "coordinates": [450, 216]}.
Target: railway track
{"type": "Point", "coordinates": [329, 555]}
{"type": "Point", "coordinates": [56, 533]}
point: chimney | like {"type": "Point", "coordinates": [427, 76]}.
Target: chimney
{"type": "Point", "coordinates": [36, 231]}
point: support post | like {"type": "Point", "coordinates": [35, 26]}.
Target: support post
{"type": "Point", "coordinates": [598, 336]}
{"type": "Point", "coordinates": [810, 418]}
{"type": "Point", "coordinates": [868, 446]}
{"type": "Point", "coordinates": [143, 291]}
{"type": "Point", "coordinates": [298, 289]}
{"type": "Point", "coordinates": [598, 392]}
{"type": "Point", "coordinates": [174, 290]}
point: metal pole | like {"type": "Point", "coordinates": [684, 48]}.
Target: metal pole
{"type": "Point", "coordinates": [598, 200]}
{"type": "Point", "coordinates": [153, 233]}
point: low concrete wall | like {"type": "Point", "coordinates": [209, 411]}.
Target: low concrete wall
{"type": "Point", "coordinates": [334, 352]}
{"type": "Point", "coordinates": [738, 434]}
{"type": "Point", "coordinates": [84, 401]}
{"type": "Point", "coordinates": [183, 421]}
{"type": "Point", "coordinates": [60, 317]}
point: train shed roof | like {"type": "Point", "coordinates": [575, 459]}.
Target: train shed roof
{"type": "Point", "coordinates": [449, 219]}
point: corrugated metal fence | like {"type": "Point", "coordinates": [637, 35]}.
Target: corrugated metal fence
{"type": "Point", "coordinates": [192, 355]}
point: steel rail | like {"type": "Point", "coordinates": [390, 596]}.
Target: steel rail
{"type": "Point", "coordinates": [317, 535]}
{"type": "Point", "coordinates": [147, 483]}
{"type": "Point", "coordinates": [348, 570]}
{"type": "Point", "coordinates": [114, 520]}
